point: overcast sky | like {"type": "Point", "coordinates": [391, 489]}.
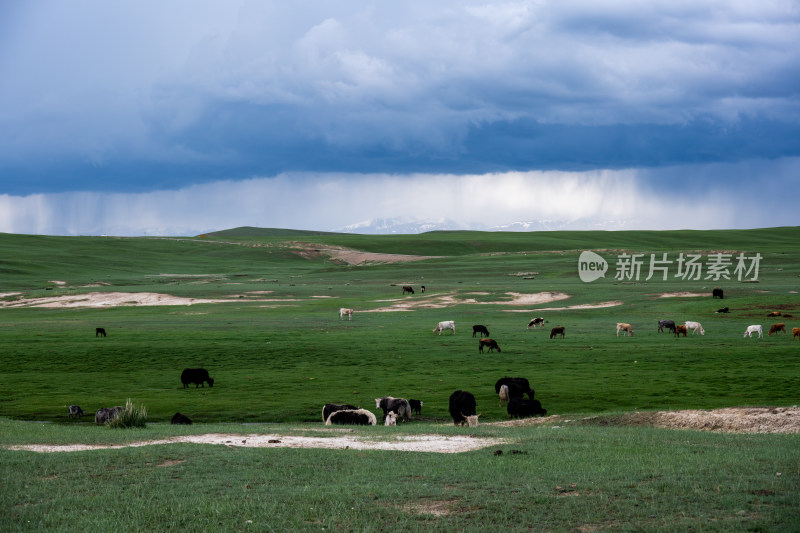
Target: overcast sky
{"type": "Point", "coordinates": [183, 117]}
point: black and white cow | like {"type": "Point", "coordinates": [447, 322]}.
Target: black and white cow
{"type": "Point", "coordinates": [357, 417]}
{"type": "Point", "coordinates": [329, 408]}
{"type": "Point", "coordinates": [196, 376]}
{"type": "Point", "coordinates": [522, 383]}
{"type": "Point", "coordinates": [462, 408]}
{"type": "Point", "coordinates": [105, 414]}
{"type": "Point", "coordinates": [669, 324]}
{"type": "Point", "coordinates": [522, 408]}
{"type": "Point", "coordinates": [538, 321]}
{"type": "Point", "coordinates": [75, 411]}
{"type": "Point", "coordinates": [398, 405]}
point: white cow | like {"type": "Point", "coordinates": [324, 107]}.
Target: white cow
{"type": "Point", "coordinates": [695, 327]}
{"type": "Point", "coordinates": [391, 419]}
{"type": "Point", "coordinates": [345, 311]}
{"type": "Point", "coordinates": [447, 324]}
{"type": "Point", "coordinates": [755, 328]}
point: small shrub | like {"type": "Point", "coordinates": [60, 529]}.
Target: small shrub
{"type": "Point", "coordinates": [133, 416]}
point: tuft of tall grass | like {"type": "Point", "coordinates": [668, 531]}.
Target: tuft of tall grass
{"type": "Point", "coordinates": [133, 416]}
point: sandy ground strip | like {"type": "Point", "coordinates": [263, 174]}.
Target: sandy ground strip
{"type": "Point", "coordinates": [309, 250]}
{"type": "Point", "coordinates": [442, 301]}
{"type": "Point", "coordinates": [405, 443]}
{"type": "Point", "coordinates": [752, 420]}
{"type": "Point", "coordinates": [755, 420]}
{"type": "Point", "coordinates": [601, 305]}
{"type": "Point", "coordinates": [734, 420]}
{"type": "Point", "coordinates": [114, 299]}
{"type": "Point", "coordinates": [683, 294]}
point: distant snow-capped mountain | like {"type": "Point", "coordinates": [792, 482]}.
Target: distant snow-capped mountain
{"type": "Point", "coordinates": [401, 226]}
{"type": "Point", "coordinates": [382, 226]}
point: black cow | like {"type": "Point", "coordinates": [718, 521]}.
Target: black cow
{"type": "Point", "coordinates": [105, 414]}
{"type": "Point", "coordinates": [330, 408]}
{"type": "Point", "coordinates": [75, 411]}
{"type": "Point", "coordinates": [408, 288]}
{"type": "Point", "coordinates": [521, 408]}
{"type": "Point", "coordinates": [416, 406]}
{"type": "Point", "coordinates": [717, 293]}
{"type": "Point", "coordinates": [522, 383]}
{"type": "Point", "coordinates": [99, 332]}
{"type": "Point", "coordinates": [480, 330]}
{"type": "Point", "coordinates": [462, 408]}
{"type": "Point", "coordinates": [488, 343]}
{"type": "Point", "coordinates": [669, 324]}
{"type": "Point", "coordinates": [355, 417]}
{"type": "Point", "coordinates": [178, 418]}
{"type": "Point", "coordinates": [196, 376]}
{"type": "Point", "coordinates": [509, 391]}
{"type": "Point", "coordinates": [557, 331]}
{"type": "Point", "coordinates": [398, 405]}
{"type": "Point", "coordinates": [723, 310]}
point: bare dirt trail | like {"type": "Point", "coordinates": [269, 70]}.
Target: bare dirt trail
{"type": "Point", "coordinates": [755, 420]}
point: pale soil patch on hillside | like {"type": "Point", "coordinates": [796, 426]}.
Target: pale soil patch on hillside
{"type": "Point", "coordinates": [442, 301]}
{"type": "Point", "coordinates": [733, 420]}
{"type": "Point", "coordinates": [350, 256]}
{"type": "Point", "coordinates": [725, 420]}
{"type": "Point", "coordinates": [114, 299]}
{"type": "Point", "coordinates": [683, 294]}
{"type": "Point", "coordinates": [600, 305]}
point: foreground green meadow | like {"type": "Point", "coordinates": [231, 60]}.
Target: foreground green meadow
{"type": "Point", "coordinates": [278, 350]}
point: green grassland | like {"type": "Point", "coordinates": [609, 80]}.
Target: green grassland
{"type": "Point", "coordinates": [279, 360]}
{"type": "Point", "coordinates": [278, 351]}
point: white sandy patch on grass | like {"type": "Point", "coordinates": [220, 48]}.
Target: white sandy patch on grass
{"type": "Point", "coordinates": [442, 301]}
{"type": "Point", "coordinates": [683, 294]}
{"type": "Point", "coordinates": [406, 443]}
{"type": "Point", "coordinates": [115, 299]}
{"type": "Point", "coordinates": [601, 305]}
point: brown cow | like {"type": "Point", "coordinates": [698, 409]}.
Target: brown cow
{"type": "Point", "coordinates": [776, 328]}
{"type": "Point", "coordinates": [627, 329]}
{"type": "Point", "coordinates": [408, 288]}
{"type": "Point", "coordinates": [795, 333]}
{"type": "Point", "coordinates": [775, 313]}
{"type": "Point", "coordinates": [557, 331]}
{"type": "Point", "coordinates": [680, 329]}
{"type": "Point", "coordinates": [488, 343]}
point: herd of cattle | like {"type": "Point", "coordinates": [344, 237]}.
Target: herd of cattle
{"type": "Point", "coordinates": [196, 376]}
{"type": "Point", "coordinates": [462, 405]}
